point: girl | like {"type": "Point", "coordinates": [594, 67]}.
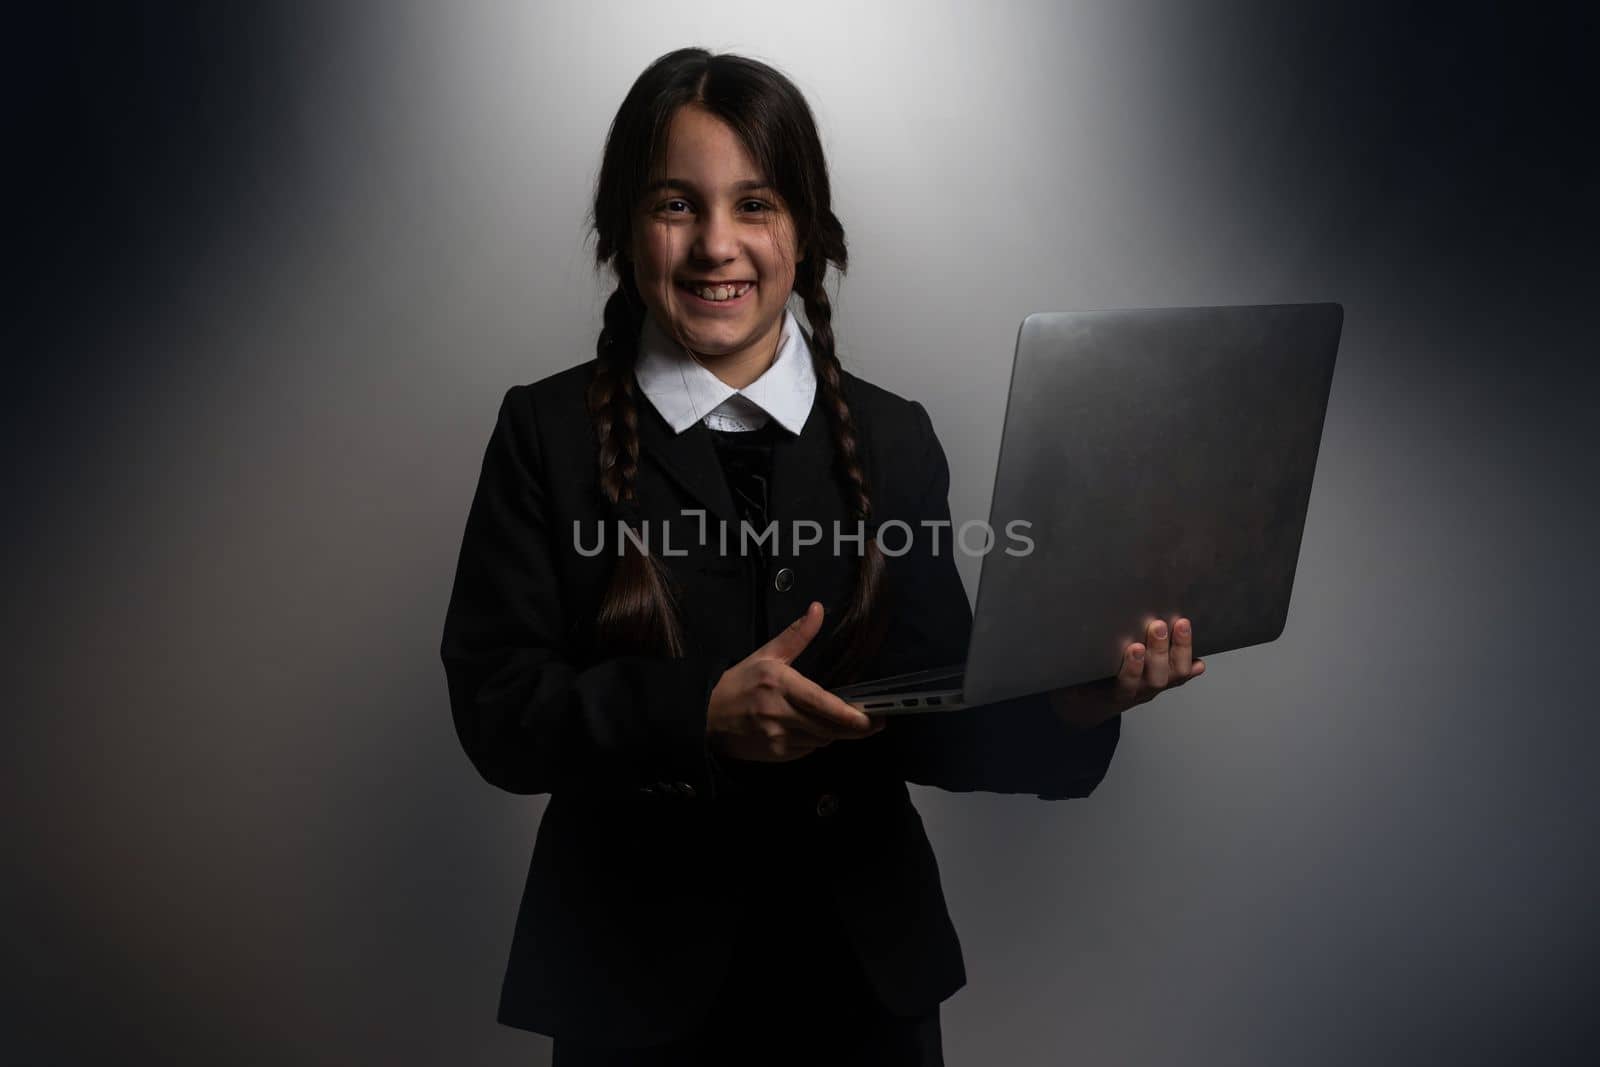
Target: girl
{"type": "Point", "coordinates": [730, 867]}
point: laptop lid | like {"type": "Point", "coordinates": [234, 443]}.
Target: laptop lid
{"type": "Point", "coordinates": [1160, 461]}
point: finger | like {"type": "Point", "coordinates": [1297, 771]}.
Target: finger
{"type": "Point", "coordinates": [822, 708]}
{"type": "Point", "coordinates": [799, 737]}
{"type": "Point", "coordinates": [786, 718]}
{"type": "Point", "coordinates": [1182, 648]}
{"type": "Point", "coordinates": [793, 744]}
{"type": "Point", "coordinates": [878, 721]}
{"type": "Point", "coordinates": [1130, 676]}
{"type": "Point", "coordinates": [793, 639]}
{"type": "Point", "coordinates": [802, 722]}
{"type": "Point", "coordinates": [1195, 670]}
{"type": "Point", "coordinates": [1158, 664]}
{"type": "Point", "coordinates": [786, 727]}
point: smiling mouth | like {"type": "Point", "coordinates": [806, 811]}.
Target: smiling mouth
{"type": "Point", "coordinates": [718, 295]}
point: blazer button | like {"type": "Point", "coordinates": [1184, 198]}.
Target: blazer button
{"type": "Point", "coordinates": [827, 805]}
{"type": "Point", "coordinates": [783, 580]}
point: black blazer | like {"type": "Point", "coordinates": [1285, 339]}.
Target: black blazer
{"type": "Point", "coordinates": [625, 927]}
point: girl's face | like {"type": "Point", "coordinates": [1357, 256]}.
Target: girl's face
{"type": "Point", "coordinates": [715, 220]}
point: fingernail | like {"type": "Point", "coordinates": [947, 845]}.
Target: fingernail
{"type": "Point", "coordinates": [1160, 630]}
{"type": "Point", "coordinates": [1183, 628]}
{"type": "Point", "coordinates": [1138, 654]}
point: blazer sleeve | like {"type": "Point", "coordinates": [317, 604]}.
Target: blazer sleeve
{"type": "Point", "coordinates": [530, 718]}
{"type": "Point", "coordinates": [1012, 746]}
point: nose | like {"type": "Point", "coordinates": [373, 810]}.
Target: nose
{"type": "Point", "coordinates": [715, 238]}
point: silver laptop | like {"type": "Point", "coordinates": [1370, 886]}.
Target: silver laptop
{"type": "Point", "coordinates": [1163, 459]}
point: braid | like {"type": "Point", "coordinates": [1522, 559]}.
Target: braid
{"type": "Point", "coordinates": [861, 629]}
{"type": "Point", "coordinates": [820, 313]}
{"type": "Point", "coordinates": [638, 613]}
{"type": "Point", "coordinates": [611, 401]}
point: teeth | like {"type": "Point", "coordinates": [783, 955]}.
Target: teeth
{"type": "Point", "coordinates": [720, 292]}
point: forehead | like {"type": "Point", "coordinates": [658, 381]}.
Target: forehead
{"type": "Point", "coordinates": [702, 150]}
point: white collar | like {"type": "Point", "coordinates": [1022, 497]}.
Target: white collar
{"type": "Point", "coordinates": [685, 393]}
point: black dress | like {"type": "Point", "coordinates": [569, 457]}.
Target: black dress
{"type": "Point", "coordinates": [795, 992]}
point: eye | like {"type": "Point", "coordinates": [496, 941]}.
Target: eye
{"type": "Point", "coordinates": [761, 205]}
{"type": "Point", "coordinates": [667, 204]}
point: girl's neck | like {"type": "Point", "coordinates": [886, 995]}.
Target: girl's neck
{"type": "Point", "coordinates": [738, 370]}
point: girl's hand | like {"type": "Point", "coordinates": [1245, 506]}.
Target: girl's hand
{"type": "Point", "coordinates": [764, 709]}
{"type": "Point", "coordinates": [1141, 678]}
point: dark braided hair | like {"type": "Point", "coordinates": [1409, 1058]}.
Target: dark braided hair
{"type": "Point", "coordinates": [772, 120]}
{"type": "Point", "coordinates": [637, 613]}
{"type": "Point", "coordinates": [861, 628]}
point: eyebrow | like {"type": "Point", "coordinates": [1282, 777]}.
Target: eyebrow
{"type": "Point", "coordinates": [680, 183]}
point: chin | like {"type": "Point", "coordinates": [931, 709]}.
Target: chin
{"type": "Point", "coordinates": [716, 344]}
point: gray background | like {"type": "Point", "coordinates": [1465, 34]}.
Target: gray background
{"type": "Point", "coordinates": [281, 264]}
